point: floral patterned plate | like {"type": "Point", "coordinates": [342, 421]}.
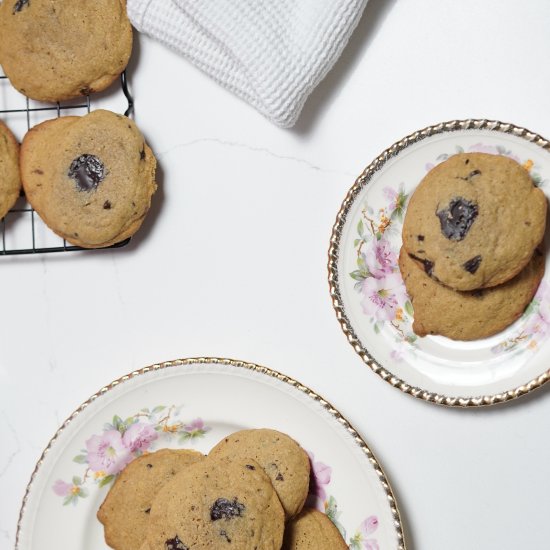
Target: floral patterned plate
{"type": "Point", "coordinates": [371, 301]}
{"type": "Point", "coordinates": [194, 403]}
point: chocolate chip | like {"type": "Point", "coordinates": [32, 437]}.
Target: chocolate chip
{"type": "Point", "coordinates": [87, 171]}
{"type": "Point", "coordinates": [457, 218]}
{"type": "Point", "coordinates": [466, 161]}
{"type": "Point", "coordinates": [471, 175]}
{"type": "Point", "coordinates": [149, 465]}
{"type": "Point", "coordinates": [224, 534]}
{"type": "Point", "coordinates": [107, 205]}
{"type": "Point", "coordinates": [428, 264]}
{"type": "Point", "coordinates": [19, 5]}
{"type": "Point", "coordinates": [280, 477]}
{"type": "Point", "coordinates": [420, 237]}
{"type": "Point", "coordinates": [38, 171]}
{"type": "Point", "coordinates": [175, 544]}
{"type": "Point", "coordinates": [148, 511]}
{"type": "Point", "coordinates": [472, 265]}
{"type": "Point", "coordinates": [478, 293]}
{"type": "Point", "coordinates": [250, 467]}
{"type": "Point", "coordinates": [142, 154]}
{"type": "Point", "coordinates": [226, 509]}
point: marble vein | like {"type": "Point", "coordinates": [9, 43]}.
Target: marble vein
{"type": "Point", "coordinates": [253, 149]}
{"type": "Point", "coordinates": [13, 454]}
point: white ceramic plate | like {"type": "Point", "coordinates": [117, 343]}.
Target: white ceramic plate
{"type": "Point", "coordinates": [365, 280]}
{"type": "Point", "coordinates": [194, 403]}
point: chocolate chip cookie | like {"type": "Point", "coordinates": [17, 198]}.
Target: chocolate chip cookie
{"type": "Point", "coordinates": [89, 178]}
{"type": "Point", "coordinates": [10, 181]}
{"type": "Point", "coordinates": [474, 221]}
{"type": "Point", "coordinates": [126, 508]}
{"type": "Point", "coordinates": [56, 50]}
{"type": "Point", "coordinates": [217, 504]}
{"type": "Point", "coordinates": [468, 315]}
{"type": "Point", "coordinates": [282, 459]}
{"type": "Point", "coordinates": [312, 530]}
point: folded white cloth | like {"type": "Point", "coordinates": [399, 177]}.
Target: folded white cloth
{"type": "Point", "coordinates": [271, 53]}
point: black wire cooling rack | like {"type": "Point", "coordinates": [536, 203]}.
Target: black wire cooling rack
{"type": "Point", "coordinates": [21, 230]}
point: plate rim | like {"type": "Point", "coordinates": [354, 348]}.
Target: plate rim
{"type": "Point", "coordinates": [193, 361]}
{"type": "Point", "coordinates": [333, 253]}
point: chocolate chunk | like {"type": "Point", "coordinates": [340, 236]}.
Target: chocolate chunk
{"type": "Point", "coordinates": [428, 264]}
{"type": "Point", "coordinates": [280, 477]}
{"type": "Point", "coordinates": [19, 5]}
{"type": "Point", "coordinates": [457, 218]}
{"type": "Point", "coordinates": [472, 264]}
{"type": "Point", "coordinates": [107, 205]}
{"type": "Point", "coordinates": [226, 509]}
{"type": "Point", "coordinates": [87, 171]}
{"type": "Point", "coordinates": [420, 237]}
{"type": "Point", "coordinates": [175, 544]}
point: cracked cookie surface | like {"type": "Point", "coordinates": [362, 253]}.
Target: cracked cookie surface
{"type": "Point", "coordinates": [475, 220]}
{"type": "Point", "coordinates": [282, 459]}
{"type": "Point", "coordinates": [312, 530]}
{"type": "Point", "coordinates": [57, 50]}
{"type": "Point", "coordinates": [126, 508]}
{"type": "Point", "coordinates": [219, 503]}
{"type": "Point", "coordinates": [468, 315]}
{"type": "Point", "coordinates": [89, 178]}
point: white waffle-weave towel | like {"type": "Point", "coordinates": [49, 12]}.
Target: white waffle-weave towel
{"type": "Point", "coordinates": [271, 53]}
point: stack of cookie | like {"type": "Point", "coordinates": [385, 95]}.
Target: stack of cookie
{"type": "Point", "coordinates": [249, 492]}
{"type": "Point", "coordinates": [472, 256]}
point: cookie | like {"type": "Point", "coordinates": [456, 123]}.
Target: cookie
{"type": "Point", "coordinates": [217, 504]}
{"type": "Point", "coordinates": [312, 530]}
{"type": "Point", "coordinates": [89, 178]}
{"type": "Point", "coordinates": [10, 181]}
{"type": "Point", "coordinates": [282, 459]}
{"type": "Point", "coordinates": [475, 220]}
{"type": "Point", "coordinates": [468, 315]}
{"type": "Point", "coordinates": [52, 51]}
{"type": "Point", "coordinates": [126, 508]}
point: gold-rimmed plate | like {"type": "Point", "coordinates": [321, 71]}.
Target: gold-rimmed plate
{"type": "Point", "coordinates": [369, 296]}
{"type": "Point", "coordinates": [194, 403]}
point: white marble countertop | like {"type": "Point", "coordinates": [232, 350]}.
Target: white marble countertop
{"type": "Point", "coordinates": [232, 263]}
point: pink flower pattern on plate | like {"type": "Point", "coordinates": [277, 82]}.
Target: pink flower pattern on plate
{"type": "Point", "coordinates": [107, 452]}
{"type": "Point", "coordinates": [121, 441]}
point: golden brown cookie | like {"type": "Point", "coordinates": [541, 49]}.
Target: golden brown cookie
{"type": "Point", "coordinates": [89, 178]}
{"type": "Point", "coordinates": [312, 530]}
{"type": "Point", "coordinates": [10, 180]}
{"type": "Point", "coordinates": [217, 504]}
{"type": "Point", "coordinates": [283, 460]}
{"type": "Point", "coordinates": [126, 508]}
{"type": "Point", "coordinates": [56, 50]}
{"type": "Point", "coordinates": [468, 315]}
{"type": "Point", "coordinates": [475, 220]}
